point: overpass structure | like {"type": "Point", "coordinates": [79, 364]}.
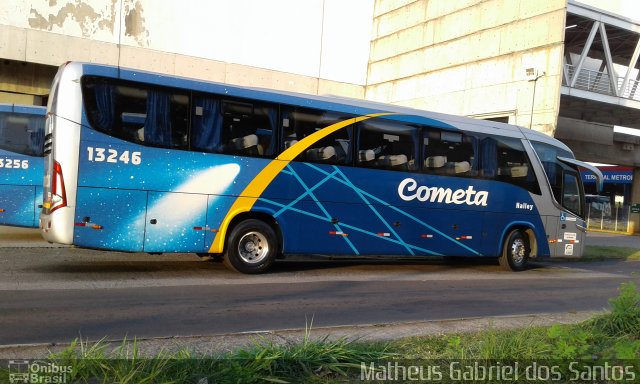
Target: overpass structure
{"type": "Point", "coordinates": [600, 94]}
{"type": "Point", "coordinates": [600, 86]}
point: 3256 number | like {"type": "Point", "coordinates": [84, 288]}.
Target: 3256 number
{"type": "Point", "coordinates": [110, 155]}
{"type": "Point", "coordinates": [14, 163]}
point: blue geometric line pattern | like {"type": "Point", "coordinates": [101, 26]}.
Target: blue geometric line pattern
{"type": "Point", "coordinates": [309, 192]}
{"type": "Point", "coordinates": [365, 193]}
{"type": "Point", "coordinates": [370, 201]}
{"type": "Point", "coordinates": [351, 227]}
{"type": "Point", "coordinates": [375, 211]}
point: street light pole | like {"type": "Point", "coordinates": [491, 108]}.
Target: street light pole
{"type": "Point", "coordinates": [533, 99]}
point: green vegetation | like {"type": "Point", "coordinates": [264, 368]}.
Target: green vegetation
{"type": "Point", "coordinates": [598, 253]}
{"type": "Point", "coordinates": [609, 340]}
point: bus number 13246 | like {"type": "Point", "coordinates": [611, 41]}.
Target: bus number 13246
{"type": "Point", "coordinates": [110, 155]}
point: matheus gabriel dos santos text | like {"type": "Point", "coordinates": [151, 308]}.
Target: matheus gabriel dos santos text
{"type": "Point", "coordinates": [498, 371]}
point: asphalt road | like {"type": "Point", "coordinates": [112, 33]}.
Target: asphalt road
{"type": "Point", "coordinates": [58, 294]}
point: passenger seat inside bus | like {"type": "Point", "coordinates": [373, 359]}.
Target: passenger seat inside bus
{"type": "Point", "coordinates": [440, 165]}
{"type": "Point", "coordinates": [289, 143]}
{"type": "Point", "coordinates": [393, 161]}
{"type": "Point", "coordinates": [245, 144]}
{"type": "Point", "coordinates": [366, 155]}
{"type": "Point", "coordinates": [322, 154]}
{"type": "Point", "coordinates": [435, 161]}
{"type": "Point", "coordinates": [461, 167]}
{"type": "Point", "coordinates": [514, 170]}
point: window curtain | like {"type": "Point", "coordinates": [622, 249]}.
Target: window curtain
{"type": "Point", "coordinates": [3, 123]}
{"type": "Point", "coordinates": [273, 124]}
{"type": "Point", "coordinates": [474, 146]}
{"type": "Point", "coordinates": [36, 136]}
{"type": "Point", "coordinates": [105, 107]}
{"type": "Point", "coordinates": [157, 125]}
{"type": "Point", "coordinates": [206, 127]}
{"type": "Point", "coordinates": [489, 157]}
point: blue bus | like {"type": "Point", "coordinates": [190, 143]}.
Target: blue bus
{"type": "Point", "coordinates": [137, 161]}
{"type": "Point", "coordinates": [21, 164]}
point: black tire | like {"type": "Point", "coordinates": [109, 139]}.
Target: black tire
{"type": "Point", "coordinates": [251, 248]}
{"type": "Point", "coordinates": [515, 251]}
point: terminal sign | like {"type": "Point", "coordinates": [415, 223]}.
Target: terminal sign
{"type": "Point", "coordinates": [612, 175]}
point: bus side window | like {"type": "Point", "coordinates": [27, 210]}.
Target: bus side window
{"type": "Point", "coordinates": [552, 166]}
{"type": "Point", "coordinates": [22, 133]}
{"type": "Point", "coordinates": [513, 165]}
{"type": "Point", "coordinates": [387, 145]}
{"type": "Point", "coordinates": [151, 116]}
{"type": "Point", "coordinates": [298, 123]}
{"type": "Point", "coordinates": [248, 128]}
{"type": "Point", "coordinates": [450, 153]}
{"type": "Point", "coordinates": [130, 110]}
{"type": "Point", "coordinates": [206, 124]}
{"type": "Point", "coordinates": [166, 122]}
{"type": "Point", "coordinates": [571, 193]}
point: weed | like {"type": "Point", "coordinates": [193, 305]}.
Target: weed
{"type": "Point", "coordinates": [624, 318]}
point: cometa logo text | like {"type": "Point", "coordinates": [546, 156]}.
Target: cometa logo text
{"type": "Point", "coordinates": [408, 190]}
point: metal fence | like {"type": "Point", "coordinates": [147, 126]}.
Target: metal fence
{"type": "Point", "coordinates": [616, 219]}
{"type": "Point", "coordinates": [599, 82]}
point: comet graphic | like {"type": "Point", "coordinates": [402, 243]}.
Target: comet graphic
{"type": "Point", "coordinates": [175, 214]}
{"type": "Point", "coordinates": [171, 216]}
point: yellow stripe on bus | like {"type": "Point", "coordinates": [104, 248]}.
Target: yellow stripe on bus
{"type": "Point", "coordinates": [257, 186]}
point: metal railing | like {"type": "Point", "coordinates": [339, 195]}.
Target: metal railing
{"type": "Point", "coordinates": [615, 219]}
{"type": "Point", "coordinates": [599, 82]}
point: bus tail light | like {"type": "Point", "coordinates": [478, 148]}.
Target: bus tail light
{"type": "Point", "coordinates": [58, 192]}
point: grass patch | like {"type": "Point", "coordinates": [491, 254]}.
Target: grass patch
{"type": "Point", "coordinates": [611, 336]}
{"type": "Point", "coordinates": [612, 340]}
{"type": "Point", "coordinates": [599, 253]}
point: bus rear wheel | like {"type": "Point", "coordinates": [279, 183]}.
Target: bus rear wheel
{"type": "Point", "coordinates": [515, 252]}
{"type": "Point", "coordinates": [252, 247]}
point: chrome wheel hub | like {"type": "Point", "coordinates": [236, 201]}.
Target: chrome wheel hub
{"type": "Point", "coordinates": [518, 251]}
{"type": "Point", "coordinates": [253, 247]}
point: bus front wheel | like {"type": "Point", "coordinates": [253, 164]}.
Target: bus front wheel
{"type": "Point", "coordinates": [515, 252]}
{"type": "Point", "coordinates": [252, 247]}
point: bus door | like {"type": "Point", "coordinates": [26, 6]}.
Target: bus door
{"type": "Point", "coordinates": [175, 221]}
{"type": "Point", "coordinates": [571, 228]}
{"type": "Point", "coordinates": [551, 225]}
